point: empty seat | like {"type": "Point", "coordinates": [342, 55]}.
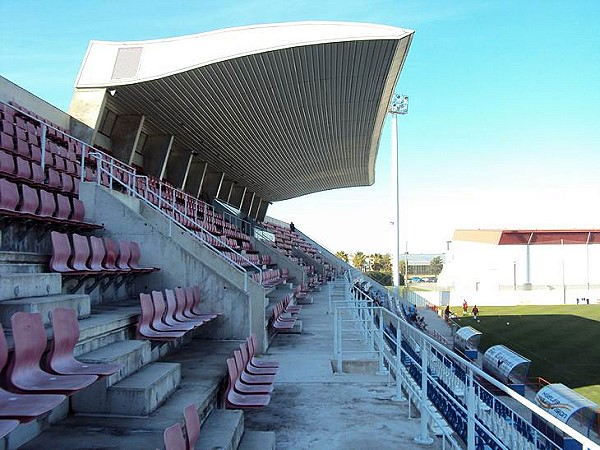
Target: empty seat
{"type": "Point", "coordinates": [24, 407]}
{"type": "Point", "coordinates": [192, 426]}
{"type": "Point", "coordinates": [66, 335]}
{"type": "Point", "coordinates": [29, 201]}
{"type": "Point", "coordinates": [135, 254]}
{"type": "Point", "coordinates": [236, 400]}
{"type": "Point", "coordinates": [47, 204]}
{"type": "Point", "coordinates": [9, 197]}
{"type": "Point", "coordinates": [251, 341]}
{"type": "Point", "coordinates": [175, 308]}
{"type": "Point", "coordinates": [144, 325]}
{"type": "Point", "coordinates": [248, 377]}
{"type": "Point", "coordinates": [173, 437]}
{"type": "Point", "coordinates": [7, 164]}
{"type": "Point", "coordinates": [24, 372]}
{"type": "Point", "coordinates": [163, 319]}
{"type": "Point", "coordinates": [81, 253]}
{"type": "Point", "coordinates": [185, 297]}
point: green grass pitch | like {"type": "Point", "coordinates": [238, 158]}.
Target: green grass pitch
{"type": "Point", "coordinates": [562, 341]}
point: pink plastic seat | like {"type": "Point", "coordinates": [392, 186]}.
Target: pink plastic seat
{"type": "Point", "coordinates": [166, 311]}
{"type": "Point", "coordinates": [173, 437]}
{"type": "Point", "coordinates": [24, 372]}
{"type": "Point", "coordinates": [98, 254]}
{"type": "Point", "coordinates": [251, 341]}
{"type": "Point", "coordinates": [181, 307]}
{"type": "Point", "coordinates": [248, 377]}
{"type": "Point", "coordinates": [192, 426]}
{"type": "Point", "coordinates": [194, 293]}
{"type": "Point", "coordinates": [124, 256]}
{"type": "Point", "coordinates": [29, 201]}
{"type": "Point", "coordinates": [9, 197]}
{"type": "Point", "coordinates": [38, 176]}
{"type": "Point", "coordinates": [66, 335]}
{"type": "Point", "coordinates": [81, 253]}
{"type": "Point", "coordinates": [112, 253]}
{"type": "Point", "coordinates": [7, 164]}
{"type": "Point", "coordinates": [64, 208]}
{"type": "Point", "coordinates": [67, 183]}
{"type": "Point", "coordinates": [61, 252]}
{"type": "Point", "coordinates": [236, 400]}
{"type": "Point", "coordinates": [144, 328]}
{"type": "Point", "coordinates": [185, 298]}
{"type": "Point", "coordinates": [23, 167]}
{"type": "Point", "coordinates": [53, 179]}
{"type": "Point", "coordinates": [233, 374]}
{"type": "Point", "coordinates": [251, 368]}
{"type": "Point", "coordinates": [135, 254]}
{"type": "Point", "coordinates": [24, 407]}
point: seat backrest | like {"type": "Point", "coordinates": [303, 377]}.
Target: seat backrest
{"type": "Point", "coordinates": [66, 334]}
{"type": "Point", "coordinates": [98, 253]}
{"type": "Point", "coordinates": [124, 255]}
{"type": "Point", "coordinates": [232, 373]}
{"type": "Point", "coordinates": [175, 306]}
{"type": "Point", "coordinates": [64, 208]}
{"type": "Point", "coordinates": [239, 362]}
{"type": "Point", "coordinates": [29, 338]}
{"type": "Point", "coordinates": [182, 299]}
{"type": "Point", "coordinates": [134, 249]}
{"type": "Point", "coordinates": [78, 210]}
{"type": "Point", "coordinates": [7, 163]}
{"type": "Point", "coordinates": [81, 252]}
{"type": "Point", "coordinates": [159, 306]}
{"type": "Point", "coordinates": [112, 253]}
{"type": "Point", "coordinates": [3, 349]}
{"type": "Point", "coordinates": [173, 437]}
{"type": "Point", "coordinates": [53, 179]}
{"type": "Point", "coordinates": [23, 168]}
{"type": "Point", "coordinates": [9, 195]}
{"type": "Point", "coordinates": [192, 425]}
{"type": "Point", "coordinates": [61, 252]}
{"type": "Point", "coordinates": [29, 200]}
{"type": "Point", "coordinates": [147, 312]}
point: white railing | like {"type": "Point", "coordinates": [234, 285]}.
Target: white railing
{"type": "Point", "coordinates": [451, 393]}
{"type": "Point", "coordinates": [121, 174]}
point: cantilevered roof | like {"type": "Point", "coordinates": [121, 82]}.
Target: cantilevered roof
{"type": "Point", "coordinates": [529, 237]}
{"type": "Point", "coordinates": [282, 109]}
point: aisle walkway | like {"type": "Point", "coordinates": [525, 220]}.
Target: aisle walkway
{"type": "Point", "coordinates": [313, 408]}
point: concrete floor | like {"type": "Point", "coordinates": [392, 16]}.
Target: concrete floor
{"type": "Point", "coordinates": [313, 408]}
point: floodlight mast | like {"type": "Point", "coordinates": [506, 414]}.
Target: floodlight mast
{"type": "Point", "coordinates": [398, 106]}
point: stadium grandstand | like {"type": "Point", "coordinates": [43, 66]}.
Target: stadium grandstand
{"type": "Point", "coordinates": [142, 280]}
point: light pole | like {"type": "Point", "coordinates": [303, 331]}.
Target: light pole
{"type": "Point", "coordinates": [398, 105]}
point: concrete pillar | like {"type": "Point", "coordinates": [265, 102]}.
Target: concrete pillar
{"type": "Point", "coordinates": [262, 211]}
{"type": "Point", "coordinates": [153, 154]}
{"type": "Point", "coordinates": [195, 177]}
{"type": "Point", "coordinates": [125, 135]}
{"type": "Point", "coordinates": [87, 106]}
{"type": "Point", "coordinates": [211, 184]}
{"type": "Point", "coordinates": [258, 206]}
{"type": "Point", "coordinates": [225, 188]}
{"type": "Point", "coordinates": [254, 207]}
{"type": "Point", "coordinates": [187, 170]}
{"type": "Point", "coordinates": [237, 195]}
{"type": "Point", "coordinates": [163, 169]}
{"type": "Point", "coordinates": [247, 203]}
{"type": "Point", "coordinates": [177, 165]}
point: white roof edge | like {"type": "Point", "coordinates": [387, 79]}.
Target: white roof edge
{"type": "Point", "coordinates": [163, 57]}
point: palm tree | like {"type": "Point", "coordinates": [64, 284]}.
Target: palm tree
{"type": "Point", "coordinates": [359, 260]}
{"type": "Point", "coordinates": [342, 255]}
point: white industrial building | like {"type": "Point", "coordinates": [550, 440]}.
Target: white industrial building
{"type": "Point", "coordinates": [507, 267]}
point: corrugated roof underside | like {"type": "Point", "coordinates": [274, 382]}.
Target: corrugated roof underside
{"type": "Point", "coordinates": [283, 123]}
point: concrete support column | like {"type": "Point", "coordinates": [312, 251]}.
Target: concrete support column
{"type": "Point", "coordinates": [125, 135]}
{"type": "Point", "coordinates": [247, 203]}
{"type": "Point", "coordinates": [262, 211]}
{"type": "Point", "coordinates": [187, 170]}
{"type": "Point", "coordinates": [163, 169]}
{"type": "Point", "coordinates": [211, 184]}
{"type": "Point", "coordinates": [87, 106]}
{"type": "Point", "coordinates": [178, 163]}
{"type": "Point", "coordinates": [154, 153]}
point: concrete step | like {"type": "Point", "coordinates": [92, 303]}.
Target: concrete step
{"type": "Point", "coordinates": [19, 285]}
{"type": "Point", "coordinates": [223, 430]}
{"type": "Point", "coordinates": [44, 305]}
{"type": "Point", "coordinates": [132, 354]}
{"type": "Point", "coordinates": [136, 395]}
{"type": "Point", "coordinates": [106, 326]}
{"type": "Point", "coordinates": [22, 268]}
{"type": "Point", "coordinates": [23, 258]}
{"type": "Point", "coordinates": [257, 440]}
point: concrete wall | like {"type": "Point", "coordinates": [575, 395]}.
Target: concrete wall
{"type": "Point", "coordinates": [183, 260]}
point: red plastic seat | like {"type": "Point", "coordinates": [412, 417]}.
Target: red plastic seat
{"type": "Point", "coordinates": [144, 325]}
{"type": "Point", "coordinates": [185, 297]}
{"type": "Point", "coordinates": [24, 372]}
{"type": "Point", "coordinates": [61, 252]}
{"type": "Point", "coordinates": [24, 407]}
{"type": "Point", "coordinates": [135, 254]}
{"type": "Point", "coordinates": [23, 168]}
{"type": "Point", "coordinates": [248, 377]}
{"type": "Point", "coordinates": [81, 253]}
{"type": "Point", "coordinates": [38, 176]}
{"type": "Point", "coordinates": [177, 304]}
{"type": "Point", "coordinates": [124, 256]}
{"type": "Point", "coordinates": [236, 400]}
{"type": "Point", "coordinates": [53, 179]}
{"type": "Point", "coordinates": [165, 312]}
{"type": "Point", "coordinates": [7, 164]}
{"type": "Point", "coordinates": [66, 335]}
{"type": "Point", "coordinates": [233, 374]}
{"type": "Point", "coordinates": [9, 197]}
{"type": "Point", "coordinates": [173, 437]}
{"type": "Point", "coordinates": [29, 201]}
{"type": "Point", "coordinates": [251, 341]}
{"type": "Point", "coordinates": [251, 368]}
{"type": "Point", "coordinates": [192, 426]}
{"type": "Point", "coordinates": [112, 253]}
{"type": "Point", "coordinates": [194, 294]}
{"type": "Point", "coordinates": [64, 208]}
{"type": "Point", "coordinates": [67, 183]}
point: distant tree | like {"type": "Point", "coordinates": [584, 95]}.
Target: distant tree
{"type": "Point", "coordinates": [342, 255]}
{"type": "Point", "coordinates": [381, 263]}
{"type": "Point", "coordinates": [359, 260]}
{"type": "Point", "coordinates": [436, 264]}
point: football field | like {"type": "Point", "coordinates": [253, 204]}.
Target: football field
{"type": "Point", "coordinates": [562, 341]}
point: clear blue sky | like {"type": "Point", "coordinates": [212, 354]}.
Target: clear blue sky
{"type": "Point", "coordinates": [504, 122]}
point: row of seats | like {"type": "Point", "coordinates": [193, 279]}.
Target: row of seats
{"type": "Point", "coordinates": [271, 278]}
{"type": "Point", "coordinates": [94, 255]}
{"type": "Point", "coordinates": [250, 381]}
{"type": "Point", "coordinates": [36, 382]}
{"type": "Point", "coordinates": [170, 316]}
{"type": "Point", "coordinates": [173, 435]}
{"type": "Point", "coordinates": [19, 169]}
{"type": "Point", "coordinates": [284, 314]}
{"type": "Point", "coordinates": [30, 203]}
